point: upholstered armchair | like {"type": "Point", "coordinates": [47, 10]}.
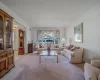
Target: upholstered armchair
{"type": "Point", "coordinates": [77, 56]}
{"type": "Point", "coordinates": [92, 70]}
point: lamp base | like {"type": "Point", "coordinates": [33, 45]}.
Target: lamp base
{"type": "Point", "coordinates": [63, 45]}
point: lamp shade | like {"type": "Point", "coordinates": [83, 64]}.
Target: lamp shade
{"type": "Point", "coordinates": [63, 40]}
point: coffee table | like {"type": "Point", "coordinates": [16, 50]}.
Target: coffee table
{"type": "Point", "coordinates": [46, 53]}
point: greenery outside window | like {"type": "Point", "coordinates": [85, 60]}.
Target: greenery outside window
{"type": "Point", "coordinates": [48, 36]}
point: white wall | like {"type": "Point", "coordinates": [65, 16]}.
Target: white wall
{"type": "Point", "coordinates": [20, 21]}
{"type": "Point", "coordinates": [29, 35]}
{"type": "Point", "coordinates": [91, 33]}
{"type": "Point", "coordinates": [16, 17]}
{"type": "Point", "coordinates": [16, 39]}
{"type": "Point", "coordinates": [34, 31]}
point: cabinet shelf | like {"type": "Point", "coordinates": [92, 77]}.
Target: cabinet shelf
{"type": "Point", "coordinates": [6, 51]}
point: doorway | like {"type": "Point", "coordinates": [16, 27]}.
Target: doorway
{"type": "Point", "coordinates": [16, 39]}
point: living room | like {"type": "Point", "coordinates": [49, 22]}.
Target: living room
{"type": "Point", "coordinates": [77, 23]}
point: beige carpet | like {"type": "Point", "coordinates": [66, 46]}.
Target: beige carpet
{"type": "Point", "coordinates": [29, 68]}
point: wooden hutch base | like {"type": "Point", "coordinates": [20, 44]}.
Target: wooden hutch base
{"type": "Point", "coordinates": [6, 63]}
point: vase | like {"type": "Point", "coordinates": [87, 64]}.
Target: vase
{"type": "Point", "coordinates": [48, 50]}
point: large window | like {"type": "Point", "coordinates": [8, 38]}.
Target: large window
{"type": "Point", "coordinates": [48, 36]}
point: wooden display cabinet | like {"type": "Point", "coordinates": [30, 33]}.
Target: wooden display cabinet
{"type": "Point", "coordinates": [21, 42]}
{"type": "Point", "coordinates": [6, 51]}
{"type": "Point", "coordinates": [30, 48]}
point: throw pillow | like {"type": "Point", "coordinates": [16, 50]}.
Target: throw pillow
{"type": "Point", "coordinates": [40, 45]}
{"type": "Point", "coordinates": [57, 46]}
{"type": "Point", "coordinates": [72, 54]}
{"type": "Point", "coordinates": [69, 47]}
{"type": "Point", "coordinates": [73, 48]}
{"type": "Point", "coordinates": [78, 47]}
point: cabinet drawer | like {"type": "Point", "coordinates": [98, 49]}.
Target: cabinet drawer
{"type": "Point", "coordinates": [3, 66]}
{"type": "Point", "coordinates": [3, 56]}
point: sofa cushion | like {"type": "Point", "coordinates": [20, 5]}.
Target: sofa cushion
{"type": "Point", "coordinates": [54, 46]}
{"type": "Point", "coordinates": [95, 63]}
{"type": "Point", "coordinates": [69, 52]}
{"type": "Point", "coordinates": [66, 47]}
{"type": "Point", "coordinates": [65, 50]}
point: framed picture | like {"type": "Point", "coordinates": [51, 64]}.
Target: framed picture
{"type": "Point", "coordinates": [78, 33]}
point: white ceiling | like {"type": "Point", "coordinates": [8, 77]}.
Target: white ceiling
{"type": "Point", "coordinates": [49, 13]}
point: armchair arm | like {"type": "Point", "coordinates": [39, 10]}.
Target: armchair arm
{"type": "Point", "coordinates": [95, 63]}
{"type": "Point", "coordinates": [78, 53]}
{"type": "Point", "coordinates": [90, 72]}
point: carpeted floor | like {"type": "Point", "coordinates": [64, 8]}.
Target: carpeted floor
{"type": "Point", "coordinates": [29, 68]}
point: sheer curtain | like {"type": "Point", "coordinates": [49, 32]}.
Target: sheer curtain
{"type": "Point", "coordinates": [48, 36]}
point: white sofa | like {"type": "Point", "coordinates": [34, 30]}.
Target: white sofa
{"type": "Point", "coordinates": [52, 47]}
{"type": "Point", "coordinates": [92, 71]}
{"type": "Point", "coordinates": [74, 56]}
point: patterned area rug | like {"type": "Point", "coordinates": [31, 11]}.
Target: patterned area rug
{"type": "Point", "coordinates": [48, 69]}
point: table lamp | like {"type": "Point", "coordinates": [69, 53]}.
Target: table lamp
{"type": "Point", "coordinates": [63, 41]}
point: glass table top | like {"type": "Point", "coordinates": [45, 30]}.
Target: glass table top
{"type": "Point", "coordinates": [46, 53]}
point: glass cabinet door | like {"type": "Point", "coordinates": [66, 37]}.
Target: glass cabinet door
{"type": "Point", "coordinates": [1, 33]}
{"type": "Point", "coordinates": [8, 34]}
